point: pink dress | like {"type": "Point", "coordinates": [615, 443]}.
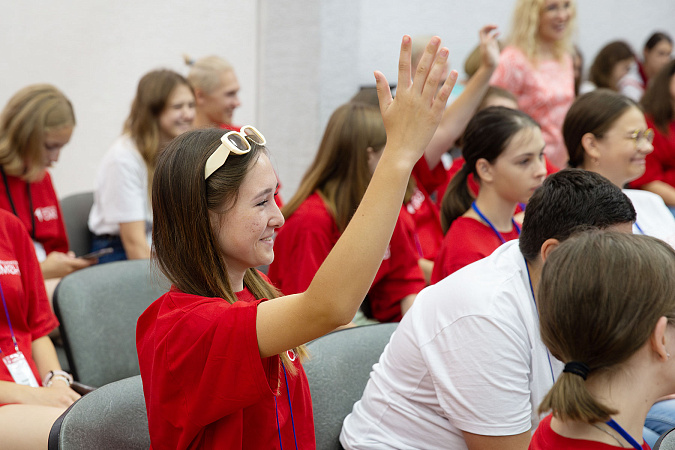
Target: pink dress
{"type": "Point", "coordinates": [545, 92]}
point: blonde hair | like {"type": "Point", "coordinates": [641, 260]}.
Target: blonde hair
{"type": "Point", "coordinates": [600, 297]}
{"type": "Point", "coordinates": [525, 29]}
{"type": "Point", "coordinates": [205, 72]}
{"type": "Point", "coordinates": [28, 115]}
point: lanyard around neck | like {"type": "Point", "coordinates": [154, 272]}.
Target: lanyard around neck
{"type": "Point", "coordinates": [11, 202]}
{"type": "Point", "coordinates": [485, 219]}
{"type": "Point", "coordinates": [9, 322]}
{"type": "Point", "coordinates": [624, 434]}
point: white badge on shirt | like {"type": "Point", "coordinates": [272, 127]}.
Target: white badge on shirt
{"type": "Point", "coordinates": [20, 370]}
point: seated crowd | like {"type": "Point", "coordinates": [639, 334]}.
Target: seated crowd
{"type": "Point", "coordinates": [498, 228]}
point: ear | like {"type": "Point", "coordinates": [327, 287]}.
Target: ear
{"type": "Point", "coordinates": [199, 96]}
{"type": "Point", "coordinates": [590, 144]}
{"type": "Point", "coordinates": [547, 247]}
{"type": "Point", "coordinates": [484, 170]}
{"type": "Point", "coordinates": [657, 340]}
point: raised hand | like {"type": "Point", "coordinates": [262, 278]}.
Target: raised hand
{"type": "Point", "coordinates": [489, 47]}
{"type": "Point", "coordinates": [412, 117]}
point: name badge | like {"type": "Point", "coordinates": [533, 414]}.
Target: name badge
{"type": "Point", "coordinates": [20, 370]}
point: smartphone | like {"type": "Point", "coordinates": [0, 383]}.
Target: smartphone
{"type": "Point", "coordinates": [97, 253]}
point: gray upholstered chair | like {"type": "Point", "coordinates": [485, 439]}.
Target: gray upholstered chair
{"type": "Point", "coordinates": [338, 372]}
{"type": "Point", "coordinates": [666, 441]}
{"type": "Point", "coordinates": [111, 417]}
{"type": "Point", "coordinates": [98, 308]}
{"type": "Point", "coordinates": [75, 210]}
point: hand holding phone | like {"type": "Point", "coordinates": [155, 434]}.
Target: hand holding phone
{"type": "Point", "coordinates": [97, 254]}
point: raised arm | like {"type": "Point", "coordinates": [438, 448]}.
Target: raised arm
{"type": "Point", "coordinates": [457, 115]}
{"type": "Point", "coordinates": [344, 278]}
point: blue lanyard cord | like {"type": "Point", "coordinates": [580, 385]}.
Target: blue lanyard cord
{"type": "Point", "coordinates": [9, 322]}
{"type": "Point", "coordinates": [485, 219]}
{"type": "Point", "coordinates": [548, 355]}
{"type": "Point", "coordinates": [624, 434]}
{"type": "Point", "coordinates": [290, 407]}
{"type": "Point", "coordinates": [639, 229]}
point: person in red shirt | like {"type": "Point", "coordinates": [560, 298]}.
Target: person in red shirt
{"type": "Point", "coordinates": [28, 405]}
{"type": "Point", "coordinates": [659, 176]}
{"type": "Point", "coordinates": [34, 126]}
{"type": "Point", "coordinates": [220, 353]}
{"type": "Point", "coordinates": [324, 204]}
{"type": "Point", "coordinates": [504, 151]}
{"type": "Point", "coordinates": [616, 350]}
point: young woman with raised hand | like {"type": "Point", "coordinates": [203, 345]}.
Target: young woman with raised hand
{"type": "Point", "coordinates": [606, 132]}
{"type": "Point", "coordinates": [35, 125]}
{"type": "Point", "coordinates": [326, 201]}
{"type": "Point", "coordinates": [121, 216]}
{"type": "Point", "coordinates": [219, 354]}
{"type": "Point", "coordinates": [536, 66]}
{"type": "Point", "coordinates": [34, 391]}
{"type": "Point", "coordinates": [606, 309]}
{"type": "Point", "coordinates": [504, 150]}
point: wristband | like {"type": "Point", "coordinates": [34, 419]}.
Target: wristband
{"type": "Point", "coordinates": [57, 374]}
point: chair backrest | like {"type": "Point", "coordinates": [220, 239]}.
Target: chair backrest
{"type": "Point", "coordinates": [75, 209]}
{"type": "Point", "coordinates": [111, 417]}
{"type": "Point", "coordinates": [98, 308]}
{"type": "Point", "coordinates": [338, 371]}
{"type": "Point", "coordinates": [666, 441]}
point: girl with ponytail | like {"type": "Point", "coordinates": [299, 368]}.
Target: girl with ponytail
{"type": "Point", "coordinates": [503, 149]}
{"type": "Point", "coordinates": [606, 309]}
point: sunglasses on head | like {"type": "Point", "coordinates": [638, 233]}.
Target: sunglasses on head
{"type": "Point", "coordinates": [233, 142]}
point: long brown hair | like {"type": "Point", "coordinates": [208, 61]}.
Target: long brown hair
{"type": "Point", "coordinates": [28, 115]}
{"type": "Point", "coordinates": [657, 101]}
{"type": "Point", "coordinates": [340, 171]}
{"type": "Point", "coordinates": [142, 124]}
{"type": "Point", "coordinates": [185, 245]}
{"type": "Point", "coordinates": [600, 297]}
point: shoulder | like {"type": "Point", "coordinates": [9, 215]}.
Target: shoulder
{"type": "Point", "coordinates": [11, 226]}
{"type": "Point", "coordinates": [514, 55]}
{"type": "Point", "coordinates": [311, 215]}
{"type": "Point", "coordinates": [124, 149]}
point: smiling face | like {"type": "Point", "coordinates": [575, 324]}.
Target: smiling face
{"type": "Point", "coordinates": [218, 105]}
{"type": "Point", "coordinates": [178, 114]}
{"type": "Point", "coordinates": [245, 231]}
{"type": "Point", "coordinates": [616, 155]}
{"type": "Point", "coordinates": [554, 20]}
{"type": "Point", "coordinates": [54, 140]}
{"type": "Point", "coordinates": [520, 169]}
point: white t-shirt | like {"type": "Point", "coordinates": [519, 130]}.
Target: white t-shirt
{"type": "Point", "coordinates": [653, 216]}
{"type": "Point", "coordinates": [466, 356]}
{"type": "Point", "coordinates": [121, 193]}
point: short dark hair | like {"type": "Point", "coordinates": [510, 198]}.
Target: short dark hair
{"type": "Point", "coordinates": [568, 200]}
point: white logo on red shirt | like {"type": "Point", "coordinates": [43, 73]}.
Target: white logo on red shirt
{"type": "Point", "coordinates": [9, 268]}
{"type": "Point", "coordinates": [415, 202]}
{"type": "Point", "coordinates": [387, 254]}
{"type": "Point", "coordinates": [290, 354]}
{"type": "Point", "coordinates": [46, 213]}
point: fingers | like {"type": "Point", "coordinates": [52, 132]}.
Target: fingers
{"type": "Point", "coordinates": [439, 67]}
{"type": "Point", "coordinates": [486, 30]}
{"type": "Point", "coordinates": [444, 92]}
{"type": "Point", "coordinates": [425, 64]}
{"type": "Point", "coordinates": [404, 78]}
{"type": "Point", "coordinates": [383, 91]}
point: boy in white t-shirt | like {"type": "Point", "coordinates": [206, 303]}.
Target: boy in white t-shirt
{"type": "Point", "coordinates": [466, 367]}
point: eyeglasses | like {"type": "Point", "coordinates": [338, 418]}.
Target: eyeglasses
{"type": "Point", "coordinates": [236, 142]}
{"type": "Point", "coordinates": [637, 136]}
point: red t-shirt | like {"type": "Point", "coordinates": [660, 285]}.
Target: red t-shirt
{"type": "Point", "coordinates": [277, 198]}
{"type": "Point", "coordinates": [309, 234]}
{"type": "Point", "coordinates": [660, 164]}
{"type": "Point", "coordinates": [50, 231]}
{"type": "Point", "coordinates": [24, 292]}
{"type": "Point", "coordinates": [467, 241]}
{"type": "Point", "coordinates": [204, 381]}
{"type": "Point", "coordinates": [547, 439]}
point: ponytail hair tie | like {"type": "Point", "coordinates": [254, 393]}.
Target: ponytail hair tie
{"type": "Point", "coordinates": [577, 368]}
